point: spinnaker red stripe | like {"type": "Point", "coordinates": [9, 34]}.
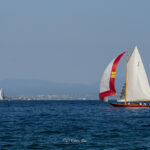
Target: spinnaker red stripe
{"type": "Point", "coordinates": [114, 68]}
{"type": "Point", "coordinates": [112, 90]}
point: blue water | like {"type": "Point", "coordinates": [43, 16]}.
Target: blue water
{"type": "Point", "coordinates": [72, 125]}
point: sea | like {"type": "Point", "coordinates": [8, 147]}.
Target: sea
{"type": "Point", "coordinates": [72, 125]}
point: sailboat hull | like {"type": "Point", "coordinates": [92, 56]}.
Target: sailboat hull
{"type": "Point", "coordinates": [129, 105]}
{"type": "Point", "coordinates": [4, 99]}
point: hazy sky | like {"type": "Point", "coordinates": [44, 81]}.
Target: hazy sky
{"type": "Point", "coordinates": [70, 41]}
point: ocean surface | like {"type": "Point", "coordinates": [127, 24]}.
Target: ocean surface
{"type": "Point", "coordinates": [72, 125]}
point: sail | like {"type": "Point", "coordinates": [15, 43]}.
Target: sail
{"type": "Point", "coordinates": [137, 84]}
{"type": "Point", "coordinates": [107, 87]}
{"type": "Point", "coordinates": [1, 94]}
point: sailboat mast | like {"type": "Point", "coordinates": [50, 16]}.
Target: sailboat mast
{"type": "Point", "coordinates": [126, 78]}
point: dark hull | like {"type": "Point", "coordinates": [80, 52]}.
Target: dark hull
{"type": "Point", "coordinates": [129, 105]}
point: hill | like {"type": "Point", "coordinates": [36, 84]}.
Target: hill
{"type": "Point", "coordinates": [33, 87]}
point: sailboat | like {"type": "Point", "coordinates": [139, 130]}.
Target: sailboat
{"type": "Point", "coordinates": [2, 97]}
{"type": "Point", "coordinates": [136, 90]}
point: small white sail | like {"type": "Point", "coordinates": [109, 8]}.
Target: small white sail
{"type": "Point", "coordinates": [1, 94]}
{"type": "Point", "coordinates": [137, 84]}
{"type": "Point", "coordinates": [107, 86]}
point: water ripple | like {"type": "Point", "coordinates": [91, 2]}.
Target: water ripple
{"type": "Point", "coordinates": [75, 125]}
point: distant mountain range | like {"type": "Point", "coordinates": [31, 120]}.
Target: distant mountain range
{"type": "Point", "coordinates": [33, 87]}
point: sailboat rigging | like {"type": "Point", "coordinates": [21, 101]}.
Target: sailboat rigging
{"type": "Point", "coordinates": [136, 88]}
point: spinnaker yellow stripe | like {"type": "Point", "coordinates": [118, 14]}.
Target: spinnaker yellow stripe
{"type": "Point", "coordinates": [113, 74]}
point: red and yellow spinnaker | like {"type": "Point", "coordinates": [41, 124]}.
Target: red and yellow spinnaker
{"type": "Point", "coordinates": [107, 87]}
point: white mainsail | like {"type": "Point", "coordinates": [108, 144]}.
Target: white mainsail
{"type": "Point", "coordinates": [138, 88]}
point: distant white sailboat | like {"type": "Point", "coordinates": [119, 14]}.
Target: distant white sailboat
{"type": "Point", "coordinates": [2, 97]}
{"type": "Point", "coordinates": [136, 88]}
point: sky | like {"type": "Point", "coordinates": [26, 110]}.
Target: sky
{"type": "Point", "coordinates": [70, 41]}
